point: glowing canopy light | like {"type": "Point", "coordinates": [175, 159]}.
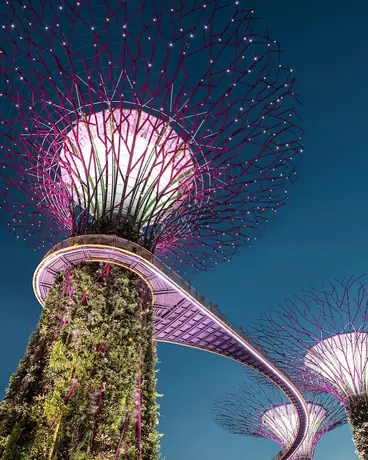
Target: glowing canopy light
{"type": "Point", "coordinates": [258, 410]}
{"type": "Point", "coordinates": [343, 361]}
{"type": "Point", "coordinates": [135, 163]}
{"type": "Point", "coordinates": [159, 125]}
{"type": "Point", "coordinates": [282, 421]}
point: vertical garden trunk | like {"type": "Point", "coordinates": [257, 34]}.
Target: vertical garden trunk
{"type": "Point", "coordinates": [86, 388]}
{"type": "Point", "coordinates": [357, 409]}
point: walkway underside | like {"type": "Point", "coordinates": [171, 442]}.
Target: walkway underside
{"type": "Point", "coordinates": [183, 316]}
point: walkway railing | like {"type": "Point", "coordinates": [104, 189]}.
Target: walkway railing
{"type": "Point", "coordinates": [114, 241]}
{"type": "Point", "coordinates": [120, 243]}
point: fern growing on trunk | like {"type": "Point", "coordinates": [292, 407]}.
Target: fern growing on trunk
{"type": "Point", "coordinates": [86, 387]}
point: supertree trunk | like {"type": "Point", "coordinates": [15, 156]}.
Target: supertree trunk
{"type": "Point", "coordinates": [86, 388]}
{"type": "Point", "coordinates": [357, 409]}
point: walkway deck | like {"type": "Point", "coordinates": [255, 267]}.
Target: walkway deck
{"type": "Point", "coordinates": [183, 316]}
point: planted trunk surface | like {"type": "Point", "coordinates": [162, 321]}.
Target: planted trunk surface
{"type": "Point", "coordinates": [86, 387]}
{"type": "Point", "coordinates": [357, 409]}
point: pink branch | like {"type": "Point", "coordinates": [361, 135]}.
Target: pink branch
{"type": "Point", "coordinates": [123, 429]}
{"type": "Point", "coordinates": [138, 401]}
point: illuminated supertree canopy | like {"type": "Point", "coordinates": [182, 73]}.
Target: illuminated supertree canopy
{"type": "Point", "coordinates": [322, 336]}
{"type": "Point", "coordinates": [153, 126]}
{"type": "Point", "coordinates": [257, 410]}
{"type": "Point", "coordinates": [171, 123]}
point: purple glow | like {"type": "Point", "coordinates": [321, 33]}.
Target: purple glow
{"type": "Point", "coordinates": [321, 336]}
{"type": "Point", "coordinates": [256, 409]}
{"type": "Point", "coordinates": [341, 360]}
{"type": "Point", "coordinates": [176, 304]}
{"type": "Point", "coordinates": [172, 124]}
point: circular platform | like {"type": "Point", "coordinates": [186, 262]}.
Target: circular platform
{"type": "Point", "coordinates": [183, 316]}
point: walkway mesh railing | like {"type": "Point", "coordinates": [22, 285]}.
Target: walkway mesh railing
{"type": "Point", "coordinates": [116, 242]}
{"type": "Point", "coordinates": [121, 243]}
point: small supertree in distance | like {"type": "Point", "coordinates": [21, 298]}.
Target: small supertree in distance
{"type": "Point", "coordinates": [322, 334]}
{"type": "Point", "coordinates": [259, 410]}
{"type": "Point", "coordinates": [168, 124]}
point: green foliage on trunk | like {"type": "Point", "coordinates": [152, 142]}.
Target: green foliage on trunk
{"type": "Point", "coordinates": [357, 409]}
{"type": "Point", "coordinates": [74, 394]}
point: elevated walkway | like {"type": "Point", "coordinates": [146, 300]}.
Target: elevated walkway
{"type": "Point", "coordinates": [183, 316]}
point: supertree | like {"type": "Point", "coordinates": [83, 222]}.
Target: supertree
{"type": "Point", "coordinates": [168, 125]}
{"type": "Point", "coordinates": [256, 409]}
{"type": "Point", "coordinates": [322, 336]}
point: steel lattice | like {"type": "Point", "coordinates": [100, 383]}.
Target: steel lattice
{"type": "Point", "coordinates": [201, 85]}
{"type": "Point", "coordinates": [257, 409]}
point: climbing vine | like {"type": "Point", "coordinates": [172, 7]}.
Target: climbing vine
{"type": "Point", "coordinates": [86, 387]}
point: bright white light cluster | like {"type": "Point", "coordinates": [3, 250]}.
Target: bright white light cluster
{"type": "Point", "coordinates": [342, 360]}
{"type": "Point", "coordinates": [282, 421]}
{"type": "Point", "coordinates": [130, 157]}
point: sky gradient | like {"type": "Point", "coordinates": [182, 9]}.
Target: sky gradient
{"type": "Point", "coordinates": [320, 234]}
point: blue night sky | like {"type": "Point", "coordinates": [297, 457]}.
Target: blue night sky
{"type": "Point", "coordinates": [320, 234]}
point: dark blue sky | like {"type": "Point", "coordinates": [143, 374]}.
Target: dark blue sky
{"type": "Point", "coordinates": [320, 234]}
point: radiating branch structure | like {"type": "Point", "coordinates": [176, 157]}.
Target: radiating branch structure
{"type": "Point", "coordinates": [257, 410]}
{"type": "Point", "coordinates": [154, 126]}
{"type": "Point", "coordinates": [322, 335]}
{"type": "Point", "coordinates": [171, 123]}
